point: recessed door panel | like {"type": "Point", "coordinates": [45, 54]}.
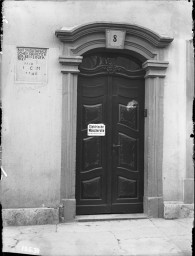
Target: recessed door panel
{"type": "Point", "coordinates": [127, 156]}
{"type": "Point", "coordinates": [91, 189]}
{"type": "Point", "coordinates": [92, 114]}
{"type": "Point", "coordinates": [92, 157]}
{"type": "Point", "coordinates": [127, 188]}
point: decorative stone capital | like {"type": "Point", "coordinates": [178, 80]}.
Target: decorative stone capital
{"type": "Point", "coordinates": [70, 63]}
{"type": "Point", "coordinates": [155, 68]}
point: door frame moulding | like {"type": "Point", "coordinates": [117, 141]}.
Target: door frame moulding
{"type": "Point", "coordinates": [150, 48]}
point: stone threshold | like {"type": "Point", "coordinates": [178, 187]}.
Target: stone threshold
{"type": "Point", "coordinates": [107, 217]}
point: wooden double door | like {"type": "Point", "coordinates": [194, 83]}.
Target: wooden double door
{"type": "Point", "coordinates": [110, 168]}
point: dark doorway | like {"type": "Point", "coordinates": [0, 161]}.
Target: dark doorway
{"type": "Point", "coordinates": [110, 168]}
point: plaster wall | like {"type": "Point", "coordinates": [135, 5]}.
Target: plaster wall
{"type": "Point", "coordinates": [174, 152]}
{"type": "Point", "coordinates": [32, 114]}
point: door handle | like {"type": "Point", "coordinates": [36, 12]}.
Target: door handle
{"type": "Point", "coordinates": [116, 146]}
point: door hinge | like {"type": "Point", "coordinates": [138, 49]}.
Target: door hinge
{"type": "Point", "coordinates": [145, 112]}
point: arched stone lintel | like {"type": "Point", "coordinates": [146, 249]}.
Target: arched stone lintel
{"type": "Point", "coordinates": [72, 35]}
{"type": "Point", "coordinates": [131, 46]}
{"type": "Point", "coordinates": [140, 49]}
{"type": "Point", "coordinates": [92, 36]}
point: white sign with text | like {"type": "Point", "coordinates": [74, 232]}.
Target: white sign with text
{"type": "Point", "coordinates": [96, 130]}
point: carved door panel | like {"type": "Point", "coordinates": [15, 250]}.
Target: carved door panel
{"type": "Point", "coordinates": [109, 175]}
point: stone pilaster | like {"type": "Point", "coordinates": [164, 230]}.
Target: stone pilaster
{"type": "Point", "coordinates": [69, 118]}
{"type": "Point", "coordinates": [154, 89]}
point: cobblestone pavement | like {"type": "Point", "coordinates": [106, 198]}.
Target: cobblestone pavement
{"type": "Point", "coordinates": [119, 237]}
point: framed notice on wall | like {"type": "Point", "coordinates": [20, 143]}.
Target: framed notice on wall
{"type": "Point", "coordinates": [31, 65]}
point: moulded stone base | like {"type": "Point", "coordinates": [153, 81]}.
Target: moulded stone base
{"type": "Point", "coordinates": [154, 207]}
{"type": "Point", "coordinates": [175, 210]}
{"type": "Point", "coordinates": [30, 216]}
{"type": "Point", "coordinates": [69, 209]}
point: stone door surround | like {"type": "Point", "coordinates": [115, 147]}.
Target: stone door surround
{"type": "Point", "coordinates": [150, 47]}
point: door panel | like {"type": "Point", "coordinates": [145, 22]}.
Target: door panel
{"type": "Point", "coordinates": [91, 180]}
{"type": "Point", "coordinates": [109, 175]}
{"type": "Point", "coordinates": [128, 132]}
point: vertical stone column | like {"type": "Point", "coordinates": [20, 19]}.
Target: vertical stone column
{"type": "Point", "coordinates": [154, 94]}
{"type": "Point", "coordinates": [69, 118]}
{"type": "Point", "coordinates": [189, 177]}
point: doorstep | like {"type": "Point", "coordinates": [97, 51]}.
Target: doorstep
{"type": "Point", "coordinates": [107, 217]}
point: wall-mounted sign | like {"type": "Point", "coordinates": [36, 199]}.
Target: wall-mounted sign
{"type": "Point", "coordinates": [115, 38]}
{"type": "Point", "coordinates": [31, 66]}
{"type": "Point", "coordinates": [96, 130]}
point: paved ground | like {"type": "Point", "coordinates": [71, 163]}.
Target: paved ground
{"type": "Point", "coordinates": [125, 237]}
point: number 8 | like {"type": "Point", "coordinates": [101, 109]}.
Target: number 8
{"type": "Point", "coordinates": [114, 38]}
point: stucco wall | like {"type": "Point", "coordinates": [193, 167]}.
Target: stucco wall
{"type": "Point", "coordinates": [32, 114]}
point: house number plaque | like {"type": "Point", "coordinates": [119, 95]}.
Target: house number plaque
{"type": "Point", "coordinates": [115, 39]}
{"type": "Point", "coordinates": [31, 65]}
